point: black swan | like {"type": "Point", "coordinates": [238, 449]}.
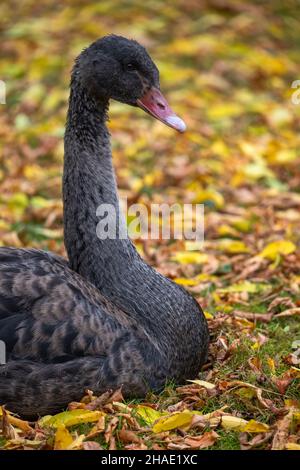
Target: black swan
{"type": "Point", "coordinates": [105, 318]}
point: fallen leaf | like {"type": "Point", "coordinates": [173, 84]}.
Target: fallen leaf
{"type": "Point", "coordinates": [233, 423]}
{"type": "Point", "coordinates": [63, 438]}
{"type": "Point", "coordinates": [91, 445]}
{"type": "Point", "coordinates": [127, 436]}
{"type": "Point", "coordinates": [292, 446]}
{"type": "Point", "coordinates": [208, 439]}
{"type": "Point", "coordinates": [203, 383]}
{"type": "Point", "coordinates": [282, 431]}
{"type": "Point", "coordinates": [70, 418]}
{"type": "Point", "coordinates": [277, 248]}
{"type": "Point", "coordinates": [173, 421]}
{"type": "Point", "coordinates": [149, 415]}
{"type": "Point", "coordinates": [255, 427]}
{"type": "Point", "coordinates": [192, 257]}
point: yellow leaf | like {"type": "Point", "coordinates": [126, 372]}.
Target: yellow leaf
{"type": "Point", "coordinates": [17, 422]}
{"type": "Point", "coordinates": [70, 418]}
{"type": "Point", "coordinates": [208, 315]}
{"type": "Point", "coordinates": [225, 230]}
{"type": "Point", "coordinates": [173, 421]}
{"type": "Point", "coordinates": [233, 423]}
{"type": "Point", "coordinates": [242, 225]}
{"type": "Point", "coordinates": [255, 426]}
{"type": "Point", "coordinates": [279, 247]}
{"type": "Point", "coordinates": [4, 225]}
{"type": "Point", "coordinates": [271, 364]}
{"type": "Point", "coordinates": [184, 257]}
{"type": "Point", "coordinates": [18, 203]}
{"type": "Point", "coordinates": [296, 416]}
{"type": "Point", "coordinates": [292, 446]}
{"type": "Point", "coordinates": [62, 438]}
{"type": "Point", "coordinates": [284, 156]}
{"type": "Point", "coordinates": [203, 383]}
{"type": "Point", "coordinates": [245, 392]}
{"type": "Point", "coordinates": [186, 282]}
{"type": "Point", "coordinates": [295, 372]}
{"type": "Point", "coordinates": [232, 246]}
{"type": "Point", "coordinates": [209, 196]}
{"type": "Point", "coordinates": [34, 172]}
{"type": "Point", "coordinates": [246, 286]}
{"type": "Point", "coordinates": [148, 414]}
{"type": "Point", "coordinates": [221, 111]}
{"type": "Point", "coordinates": [41, 202]}
{"type": "Point", "coordinates": [220, 148]}
{"type": "Point", "coordinates": [203, 277]}
{"type": "Point", "coordinates": [290, 403]}
{"type": "Point", "coordinates": [257, 170]}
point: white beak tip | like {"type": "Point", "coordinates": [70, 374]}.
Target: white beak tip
{"type": "Point", "coordinates": [177, 123]}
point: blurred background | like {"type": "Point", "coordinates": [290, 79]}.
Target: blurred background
{"type": "Point", "coordinates": [226, 67]}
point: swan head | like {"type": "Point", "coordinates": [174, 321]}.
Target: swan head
{"type": "Point", "coordinates": [118, 68]}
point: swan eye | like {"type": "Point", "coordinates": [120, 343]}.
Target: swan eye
{"type": "Point", "coordinates": [130, 67]}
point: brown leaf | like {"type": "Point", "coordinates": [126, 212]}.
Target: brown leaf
{"type": "Point", "coordinates": [91, 445]}
{"type": "Point", "coordinates": [116, 396]}
{"type": "Point", "coordinates": [99, 402]}
{"type": "Point", "coordinates": [140, 446]}
{"type": "Point", "coordinates": [201, 442]}
{"type": "Point", "coordinates": [255, 364]}
{"type": "Point", "coordinates": [112, 443]}
{"type": "Point", "coordinates": [128, 436]}
{"type": "Point", "coordinates": [282, 431]}
{"type": "Point", "coordinates": [279, 302]}
{"type": "Point", "coordinates": [8, 430]}
{"type": "Point", "coordinates": [263, 317]}
{"type": "Point", "coordinates": [108, 435]}
{"type": "Point", "coordinates": [289, 312]}
{"type": "Point", "coordinates": [266, 403]}
{"type": "Point", "coordinates": [98, 428]}
{"type": "Point", "coordinates": [75, 405]}
{"type": "Point", "coordinates": [282, 383]}
{"type": "Point", "coordinates": [254, 442]}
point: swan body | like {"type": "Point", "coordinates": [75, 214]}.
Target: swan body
{"type": "Point", "coordinates": [104, 318]}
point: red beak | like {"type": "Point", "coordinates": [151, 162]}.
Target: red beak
{"type": "Point", "coordinates": [154, 103]}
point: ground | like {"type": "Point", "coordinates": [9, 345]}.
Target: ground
{"type": "Point", "coordinates": [228, 68]}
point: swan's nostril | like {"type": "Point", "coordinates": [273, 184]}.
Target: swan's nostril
{"type": "Point", "coordinates": [161, 105]}
{"type": "Point", "coordinates": [155, 104]}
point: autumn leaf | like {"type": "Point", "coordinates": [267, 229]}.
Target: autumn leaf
{"type": "Point", "coordinates": [172, 421]}
{"type": "Point", "coordinates": [277, 248]}
{"type": "Point", "coordinates": [186, 257]}
{"type": "Point", "coordinates": [292, 446]}
{"type": "Point", "coordinates": [255, 427]}
{"type": "Point", "coordinates": [232, 246]}
{"type": "Point", "coordinates": [63, 438]}
{"type": "Point", "coordinates": [70, 418]}
{"type": "Point", "coordinates": [245, 286]}
{"type": "Point", "coordinates": [149, 415]}
{"type": "Point", "coordinates": [201, 442]}
{"type": "Point", "coordinates": [203, 383]}
{"type": "Point", "coordinates": [233, 423]}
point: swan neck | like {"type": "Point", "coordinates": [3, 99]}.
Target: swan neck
{"type": "Point", "coordinates": [89, 187]}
